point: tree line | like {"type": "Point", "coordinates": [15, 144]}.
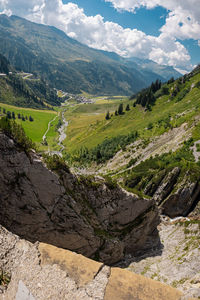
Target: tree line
{"type": "Point", "coordinates": [119, 111]}
{"type": "Point", "coordinates": [11, 115]}
{"type": "Point", "coordinates": [106, 150]}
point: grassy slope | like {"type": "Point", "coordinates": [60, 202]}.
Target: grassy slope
{"type": "Point", "coordinates": [36, 129]}
{"type": "Point", "coordinates": [88, 126]}
{"type": "Point", "coordinates": [87, 122]}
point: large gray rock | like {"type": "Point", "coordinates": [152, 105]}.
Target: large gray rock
{"type": "Point", "coordinates": [85, 215]}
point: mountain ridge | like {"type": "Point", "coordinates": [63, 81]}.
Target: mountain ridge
{"type": "Point", "coordinates": [66, 63]}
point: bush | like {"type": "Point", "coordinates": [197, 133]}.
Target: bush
{"type": "Point", "coordinates": [55, 163]}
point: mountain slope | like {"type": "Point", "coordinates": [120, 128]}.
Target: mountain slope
{"type": "Point", "coordinates": [65, 63]}
{"type": "Point", "coordinates": [15, 90]}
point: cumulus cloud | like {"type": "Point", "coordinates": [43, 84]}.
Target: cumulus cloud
{"type": "Point", "coordinates": [95, 32]}
{"type": "Point", "coordinates": [183, 20]}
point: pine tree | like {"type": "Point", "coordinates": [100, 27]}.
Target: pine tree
{"type": "Point", "coordinates": [120, 109]}
{"type": "Point", "coordinates": [13, 115]}
{"type": "Point", "coordinates": [31, 119]}
{"type": "Point", "coordinates": [108, 116]}
{"type": "Point", "coordinates": [9, 116]}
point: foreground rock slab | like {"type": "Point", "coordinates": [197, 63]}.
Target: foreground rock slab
{"type": "Point", "coordinates": [40, 271]}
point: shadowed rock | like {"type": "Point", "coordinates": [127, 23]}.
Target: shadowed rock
{"type": "Point", "coordinates": [84, 214]}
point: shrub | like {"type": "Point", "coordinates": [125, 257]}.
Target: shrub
{"type": "Point", "coordinates": [55, 163]}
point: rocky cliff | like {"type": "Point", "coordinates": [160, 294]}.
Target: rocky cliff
{"type": "Point", "coordinates": [176, 192]}
{"type": "Point", "coordinates": [91, 216]}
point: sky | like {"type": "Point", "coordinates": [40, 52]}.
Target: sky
{"type": "Point", "coordinates": [165, 31]}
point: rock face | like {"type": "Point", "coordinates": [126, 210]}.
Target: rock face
{"type": "Point", "coordinates": [174, 193]}
{"type": "Point", "coordinates": [42, 271]}
{"type": "Point", "coordinates": [90, 216]}
{"type": "Point", "coordinates": [181, 202]}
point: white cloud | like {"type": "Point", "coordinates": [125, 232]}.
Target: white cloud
{"type": "Point", "coordinates": [95, 32]}
{"type": "Point", "coordinates": [183, 21]}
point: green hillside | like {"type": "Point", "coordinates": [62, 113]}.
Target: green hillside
{"type": "Point", "coordinates": [17, 90]}
{"type": "Point", "coordinates": [68, 65]}
{"type": "Point", "coordinates": [175, 103]}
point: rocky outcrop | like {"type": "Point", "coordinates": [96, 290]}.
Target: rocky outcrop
{"type": "Point", "coordinates": [182, 201]}
{"type": "Point", "coordinates": [40, 271]}
{"type": "Point", "coordinates": [166, 186]}
{"type": "Point", "coordinates": [176, 196]}
{"type": "Point", "coordinates": [87, 215]}
{"type": "Point", "coordinates": [176, 193]}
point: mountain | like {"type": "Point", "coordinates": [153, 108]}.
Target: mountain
{"type": "Point", "coordinates": [67, 64]}
{"type": "Point", "coordinates": [150, 66]}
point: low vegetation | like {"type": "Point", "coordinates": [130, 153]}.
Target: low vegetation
{"type": "Point", "coordinates": [106, 150]}
{"type": "Point", "coordinates": [55, 163]}
{"type": "Point", "coordinates": [4, 278]}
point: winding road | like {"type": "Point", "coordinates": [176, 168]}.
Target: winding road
{"type": "Point", "coordinates": [49, 124]}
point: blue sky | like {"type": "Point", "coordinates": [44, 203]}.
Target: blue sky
{"type": "Point", "coordinates": [165, 31]}
{"type": "Point", "coordinates": [149, 21]}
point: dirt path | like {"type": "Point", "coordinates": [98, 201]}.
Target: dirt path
{"type": "Point", "coordinates": [49, 125]}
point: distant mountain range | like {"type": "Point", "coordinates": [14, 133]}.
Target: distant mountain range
{"type": "Point", "coordinates": [71, 66]}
